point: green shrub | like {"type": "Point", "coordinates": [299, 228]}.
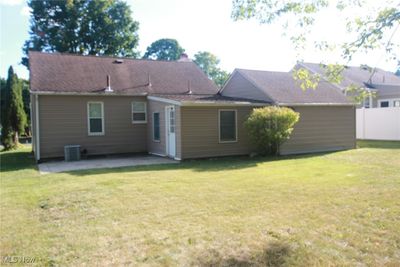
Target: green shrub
{"type": "Point", "coordinates": [269, 127]}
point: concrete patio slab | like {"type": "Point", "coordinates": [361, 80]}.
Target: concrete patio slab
{"type": "Point", "coordinates": [114, 162]}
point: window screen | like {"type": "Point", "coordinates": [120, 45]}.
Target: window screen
{"type": "Point", "coordinates": [139, 112]}
{"type": "Point", "coordinates": [156, 126]}
{"type": "Point", "coordinates": [227, 125]}
{"type": "Point", "coordinates": [95, 113]}
{"type": "Point", "coordinates": [384, 104]}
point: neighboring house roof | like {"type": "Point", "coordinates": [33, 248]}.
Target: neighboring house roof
{"type": "Point", "coordinates": [69, 73]}
{"type": "Point", "coordinates": [359, 76]}
{"type": "Point", "coordinates": [283, 89]}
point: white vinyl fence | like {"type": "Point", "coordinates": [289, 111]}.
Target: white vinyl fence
{"type": "Point", "coordinates": [378, 123]}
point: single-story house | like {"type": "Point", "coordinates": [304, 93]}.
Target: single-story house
{"type": "Point", "coordinates": [113, 105]}
{"type": "Point", "coordinates": [384, 84]}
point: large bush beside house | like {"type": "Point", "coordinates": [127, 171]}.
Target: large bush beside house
{"type": "Point", "coordinates": [269, 127]}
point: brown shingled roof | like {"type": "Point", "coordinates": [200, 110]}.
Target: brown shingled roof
{"type": "Point", "coordinates": [69, 73]}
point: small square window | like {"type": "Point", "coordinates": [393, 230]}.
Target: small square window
{"type": "Point", "coordinates": [384, 104]}
{"type": "Point", "coordinates": [396, 103]}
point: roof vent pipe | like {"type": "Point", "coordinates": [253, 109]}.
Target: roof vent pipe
{"type": "Point", "coordinates": [148, 80]}
{"type": "Point", "coordinates": [108, 88]}
{"type": "Point", "coordinates": [184, 58]}
{"type": "Point", "coordinates": [189, 88]}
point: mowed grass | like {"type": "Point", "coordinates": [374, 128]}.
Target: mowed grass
{"type": "Point", "coordinates": [335, 209]}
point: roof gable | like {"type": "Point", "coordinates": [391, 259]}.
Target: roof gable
{"type": "Point", "coordinates": [240, 86]}
{"type": "Point", "coordinates": [68, 73]}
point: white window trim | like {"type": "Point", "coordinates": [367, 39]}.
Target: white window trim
{"type": "Point", "coordinates": [159, 127]}
{"type": "Point", "coordinates": [390, 100]}
{"type": "Point", "coordinates": [219, 126]}
{"type": "Point", "coordinates": [145, 112]}
{"type": "Point", "coordinates": [102, 118]}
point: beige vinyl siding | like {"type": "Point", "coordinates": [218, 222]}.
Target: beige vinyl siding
{"type": "Point", "coordinates": [160, 147]}
{"type": "Point", "coordinates": [63, 121]}
{"type": "Point", "coordinates": [238, 86]}
{"type": "Point", "coordinates": [322, 129]}
{"type": "Point", "coordinates": [33, 124]}
{"type": "Point", "coordinates": [200, 133]}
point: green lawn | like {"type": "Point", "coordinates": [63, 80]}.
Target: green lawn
{"type": "Point", "coordinates": [330, 209]}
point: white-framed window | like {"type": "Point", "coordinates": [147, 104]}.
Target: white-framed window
{"type": "Point", "coordinates": [389, 103]}
{"type": "Point", "coordinates": [95, 115]}
{"type": "Point", "coordinates": [227, 119]}
{"type": "Point", "coordinates": [156, 126]}
{"type": "Point", "coordinates": [139, 112]}
{"type": "Point", "coordinates": [383, 104]}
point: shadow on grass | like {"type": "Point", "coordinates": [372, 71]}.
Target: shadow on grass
{"type": "Point", "coordinates": [199, 165]}
{"type": "Point", "coordinates": [16, 160]}
{"type": "Point", "coordinates": [23, 160]}
{"type": "Point", "coordinates": [275, 254]}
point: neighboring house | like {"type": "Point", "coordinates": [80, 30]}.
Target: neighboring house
{"type": "Point", "coordinates": [111, 105]}
{"type": "Point", "coordinates": [385, 84]}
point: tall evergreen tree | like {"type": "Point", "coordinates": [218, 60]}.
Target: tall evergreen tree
{"type": "Point", "coordinates": [6, 130]}
{"type": "Point", "coordinates": [26, 99]}
{"type": "Point", "coordinates": [13, 118]}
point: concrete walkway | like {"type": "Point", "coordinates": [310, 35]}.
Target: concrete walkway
{"type": "Point", "coordinates": [113, 162]}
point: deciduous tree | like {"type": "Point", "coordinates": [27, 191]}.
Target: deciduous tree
{"type": "Point", "coordinates": [164, 49]}
{"type": "Point", "coordinates": [101, 27]}
{"type": "Point", "coordinates": [209, 64]}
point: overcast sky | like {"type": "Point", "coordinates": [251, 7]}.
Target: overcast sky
{"type": "Point", "coordinates": [204, 25]}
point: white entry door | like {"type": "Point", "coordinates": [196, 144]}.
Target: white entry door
{"type": "Point", "coordinates": [170, 130]}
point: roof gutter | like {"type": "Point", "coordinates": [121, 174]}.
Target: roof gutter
{"type": "Point", "coordinates": [218, 103]}
{"type": "Point", "coordinates": [83, 94]}
{"type": "Point", "coordinates": [316, 104]}
{"type": "Point", "coordinates": [200, 103]}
